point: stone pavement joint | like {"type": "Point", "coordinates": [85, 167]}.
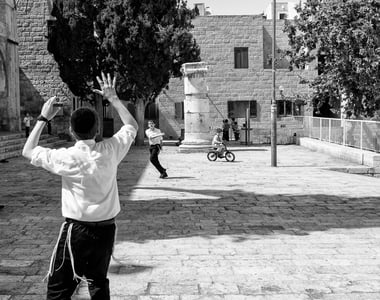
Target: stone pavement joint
{"type": "Point", "coordinates": [211, 230]}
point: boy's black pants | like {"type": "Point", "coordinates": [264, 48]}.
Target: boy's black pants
{"type": "Point", "coordinates": [154, 150]}
{"type": "Point", "coordinates": [91, 247]}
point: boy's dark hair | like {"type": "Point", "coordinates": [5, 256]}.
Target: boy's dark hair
{"type": "Point", "coordinates": [84, 123]}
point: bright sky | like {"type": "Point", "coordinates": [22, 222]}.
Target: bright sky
{"type": "Point", "coordinates": [236, 7]}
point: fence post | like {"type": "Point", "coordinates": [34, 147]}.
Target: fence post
{"type": "Point", "coordinates": [311, 123]}
{"type": "Point", "coordinates": [344, 132]}
{"type": "Point", "coordinates": [320, 129]}
{"type": "Point", "coordinates": [329, 130]}
{"type": "Point", "coordinates": [361, 135]}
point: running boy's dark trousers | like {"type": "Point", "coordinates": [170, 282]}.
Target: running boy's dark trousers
{"type": "Point", "coordinates": [154, 150]}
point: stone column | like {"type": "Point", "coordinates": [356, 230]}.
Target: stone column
{"type": "Point", "coordinates": [196, 108]}
{"type": "Point", "coordinates": [9, 69]}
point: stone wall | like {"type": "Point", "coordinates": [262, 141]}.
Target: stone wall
{"type": "Point", "coordinates": [217, 37]}
{"type": "Point", "coordinates": [39, 74]}
{"type": "Point", "coordinates": [9, 79]}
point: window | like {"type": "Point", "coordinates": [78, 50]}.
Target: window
{"type": "Point", "coordinates": [179, 110]}
{"type": "Point", "coordinates": [283, 16]}
{"type": "Point", "coordinates": [151, 111]}
{"type": "Point", "coordinates": [241, 58]}
{"type": "Point", "coordinates": [289, 108]}
{"type": "Point", "coordinates": [237, 109]}
{"type": "Point", "coordinates": [3, 77]}
{"type": "Point", "coordinates": [284, 108]}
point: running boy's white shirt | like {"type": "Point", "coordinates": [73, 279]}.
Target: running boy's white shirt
{"type": "Point", "coordinates": [154, 136]}
{"type": "Point", "coordinates": [88, 170]}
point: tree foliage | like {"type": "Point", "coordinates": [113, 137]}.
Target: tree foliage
{"type": "Point", "coordinates": [344, 38]}
{"type": "Point", "coordinates": [143, 42]}
{"type": "Point", "coordinates": [74, 47]}
{"type": "Point", "coordinates": [146, 42]}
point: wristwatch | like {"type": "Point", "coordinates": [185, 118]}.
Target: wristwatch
{"type": "Point", "coordinates": [42, 118]}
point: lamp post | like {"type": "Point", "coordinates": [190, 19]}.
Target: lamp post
{"type": "Point", "coordinates": [273, 108]}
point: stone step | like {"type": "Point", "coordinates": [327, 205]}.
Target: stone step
{"type": "Point", "coordinates": [13, 141]}
{"type": "Point", "coordinates": [15, 152]}
{"type": "Point", "coordinates": [11, 136]}
{"type": "Point", "coordinates": [21, 142]}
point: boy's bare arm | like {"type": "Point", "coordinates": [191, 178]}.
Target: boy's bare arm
{"type": "Point", "coordinates": [48, 112]}
{"type": "Point", "coordinates": [157, 135]}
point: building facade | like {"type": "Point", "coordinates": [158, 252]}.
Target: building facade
{"type": "Point", "coordinates": [238, 51]}
{"type": "Point", "coordinates": [284, 10]}
{"type": "Point", "coordinates": [39, 73]}
{"type": "Point", "coordinates": [9, 74]}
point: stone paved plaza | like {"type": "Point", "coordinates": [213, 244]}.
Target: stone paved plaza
{"type": "Point", "coordinates": [212, 230]}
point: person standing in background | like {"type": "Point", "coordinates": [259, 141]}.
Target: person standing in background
{"type": "Point", "coordinates": [235, 130]}
{"type": "Point", "coordinates": [49, 127]}
{"type": "Point", "coordinates": [226, 129]}
{"type": "Point", "coordinates": [28, 118]}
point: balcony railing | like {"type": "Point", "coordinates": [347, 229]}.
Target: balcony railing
{"type": "Point", "coordinates": [359, 134]}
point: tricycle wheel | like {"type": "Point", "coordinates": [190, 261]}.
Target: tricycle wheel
{"type": "Point", "coordinates": [212, 156]}
{"type": "Point", "coordinates": [229, 156]}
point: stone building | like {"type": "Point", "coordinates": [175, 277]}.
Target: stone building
{"type": "Point", "coordinates": [284, 10]}
{"type": "Point", "coordinates": [39, 74]}
{"type": "Point", "coordinates": [9, 75]}
{"type": "Point", "coordinates": [238, 51]}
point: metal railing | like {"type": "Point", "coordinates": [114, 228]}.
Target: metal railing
{"type": "Point", "coordinates": [361, 134]}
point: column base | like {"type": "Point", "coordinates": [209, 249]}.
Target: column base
{"type": "Point", "coordinates": [188, 147]}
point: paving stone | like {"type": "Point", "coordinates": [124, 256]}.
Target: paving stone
{"type": "Point", "coordinates": [15, 263]}
{"type": "Point", "coordinates": [170, 289]}
{"type": "Point", "coordinates": [218, 288]}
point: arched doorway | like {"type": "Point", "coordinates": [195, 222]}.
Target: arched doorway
{"type": "Point", "coordinates": [4, 117]}
{"type": "Point", "coordinates": [3, 77]}
{"type": "Point", "coordinates": [151, 113]}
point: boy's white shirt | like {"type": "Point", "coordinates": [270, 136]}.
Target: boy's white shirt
{"type": "Point", "coordinates": [154, 136]}
{"type": "Point", "coordinates": [88, 171]}
{"type": "Point", "coordinates": [27, 121]}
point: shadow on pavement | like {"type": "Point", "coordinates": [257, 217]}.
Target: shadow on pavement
{"type": "Point", "coordinates": [245, 149]}
{"type": "Point", "coordinates": [127, 269]}
{"type": "Point", "coordinates": [242, 215]}
{"type": "Point", "coordinates": [179, 177]}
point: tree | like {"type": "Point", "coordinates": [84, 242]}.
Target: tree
{"type": "Point", "coordinates": [344, 37]}
{"type": "Point", "coordinates": [144, 42]}
{"type": "Point", "coordinates": [74, 47]}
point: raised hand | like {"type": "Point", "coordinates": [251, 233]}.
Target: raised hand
{"type": "Point", "coordinates": [49, 109]}
{"type": "Point", "coordinates": [107, 85]}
